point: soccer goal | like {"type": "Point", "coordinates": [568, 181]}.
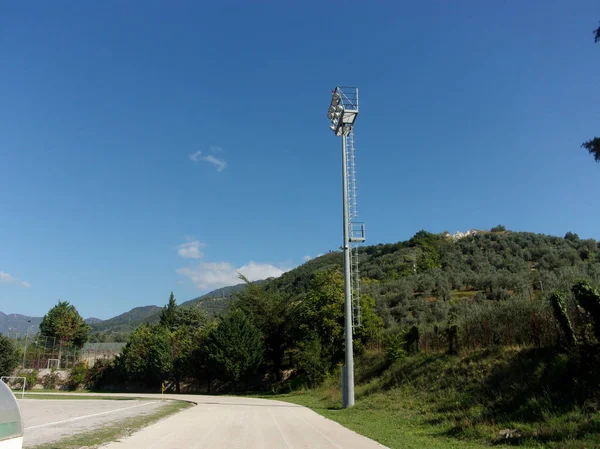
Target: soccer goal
{"type": "Point", "coordinates": [23, 383]}
{"type": "Point", "coordinates": [53, 363]}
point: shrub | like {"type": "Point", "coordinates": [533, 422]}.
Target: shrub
{"type": "Point", "coordinates": [31, 378]}
{"type": "Point", "coordinates": [589, 298]}
{"type": "Point", "coordinates": [309, 360]}
{"type": "Point", "coordinates": [49, 381]}
{"type": "Point", "coordinates": [560, 313]}
{"type": "Point", "coordinates": [9, 356]}
{"type": "Point", "coordinates": [97, 375]}
{"type": "Point", "coordinates": [78, 376]}
{"type": "Point", "coordinates": [394, 345]}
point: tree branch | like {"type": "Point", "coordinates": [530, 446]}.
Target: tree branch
{"type": "Point", "coordinates": [593, 147]}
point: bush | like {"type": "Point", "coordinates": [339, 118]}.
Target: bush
{"type": "Point", "coordinates": [394, 345]}
{"type": "Point", "coordinates": [499, 228]}
{"type": "Point", "coordinates": [9, 356]}
{"type": "Point", "coordinates": [78, 376]}
{"type": "Point", "coordinates": [560, 313]}
{"type": "Point", "coordinates": [49, 381]}
{"type": "Point", "coordinates": [103, 373]}
{"type": "Point", "coordinates": [31, 378]}
{"type": "Point", "coordinates": [309, 361]}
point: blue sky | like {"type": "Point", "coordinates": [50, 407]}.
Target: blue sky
{"type": "Point", "coordinates": [147, 147]}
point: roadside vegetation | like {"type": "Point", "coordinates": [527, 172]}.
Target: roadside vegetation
{"type": "Point", "coordinates": [490, 338]}
{"type": "Point", "coordinates": [529, 397]}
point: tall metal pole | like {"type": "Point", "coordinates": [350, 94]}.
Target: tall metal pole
{"type": "Point", "coordinates": [348, 372]}
{"type": "Point", "coordinates": [25, 350]}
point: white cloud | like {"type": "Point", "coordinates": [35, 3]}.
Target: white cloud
{"type": "Point", "coordinates": [213, 275]}
{"type": "Point", "coordinates": [6, 278]}
{"type": "Point", "coordinates": [195, 156]}
{"type": "Point", "coordinates": [219, 163]}
{"type": "Point", "coordinates": [191, 250]}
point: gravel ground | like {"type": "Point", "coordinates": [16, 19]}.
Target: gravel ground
{"type": "Point", "coordinates": [50, 420]}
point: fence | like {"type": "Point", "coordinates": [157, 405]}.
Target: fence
{"type": "Point", "coordinates": [41, 352]}
{"type": "Point", "coordinates": [508, 323]}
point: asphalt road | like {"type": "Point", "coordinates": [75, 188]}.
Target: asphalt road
{"type": "Point", "coordinates": [51, 420]}
{"type": "Point", "coordinates": [235, 423]}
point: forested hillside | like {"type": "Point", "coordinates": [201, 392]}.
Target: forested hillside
{"type": "Point", "coordinates": [495, 297]}
{"type": "Point", "coordinates": [420, 281]}
{"type": "Point", "coordinates": [119, 327]}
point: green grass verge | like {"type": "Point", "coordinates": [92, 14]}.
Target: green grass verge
{"type": "Point", "coordinates": [545, 398]}
{"type": "Point", "coordinates": [113, 432]}
{"type": "Point", "coordinates": [392, 428]}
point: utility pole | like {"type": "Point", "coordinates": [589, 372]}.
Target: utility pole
{"type": "Point", "coordinates": [26, 335]}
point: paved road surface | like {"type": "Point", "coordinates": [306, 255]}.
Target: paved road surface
{"type": "Point", "coordinates": [243, 423]}
{"type": "Point", "coordinates": [51, 420]}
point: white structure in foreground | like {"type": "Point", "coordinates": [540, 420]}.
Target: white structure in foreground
{"type": "Point", "coordinates": [11, 423]}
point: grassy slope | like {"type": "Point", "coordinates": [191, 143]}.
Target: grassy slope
{"type": "Point", "coordinates": [443, 401]}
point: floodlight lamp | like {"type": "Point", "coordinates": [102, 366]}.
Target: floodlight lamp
{"type": "Point", "coordinates": [335, 98]}
{"type": "Point", "coordinates": [331, 112]}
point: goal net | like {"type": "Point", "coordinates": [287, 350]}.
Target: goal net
{"type": "Point", "coordinates": [15, 383]}
{"type": "Point", "coordinates": [53, 363]}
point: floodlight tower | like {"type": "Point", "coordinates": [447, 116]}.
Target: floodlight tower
{"type": "Point", "coordinates": [343, 111]}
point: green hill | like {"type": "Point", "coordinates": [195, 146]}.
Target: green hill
{"type": "Point", "coordinates": [421, 280]}
{"type": "Point", "coordinates": [424, 279]}
{"type": "Point", "coordinates": [118, 327]}
{"type": "Point", "coordinates": [128, 321]}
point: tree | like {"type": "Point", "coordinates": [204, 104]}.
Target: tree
{"type": "Point", "coordinates": [499, 228]}
{"type": "Point", "coordinates": [323, 314]}
{"type": "Point", "coordinates": [168, 315]}
{"type": "Point", "coordinates": [589, 298]}
{"type": "Point", "coordinates": [560, 313]}
{"type": "Point", "coordinates": [322, 317]}
{"type": "Point", "coordinates": [147, 357]}
{"type": "Point", "coordinates": [191, 317]}
{"type": "Point", "coordinates": [235, 347]}
{"type": "Point", "coordinates": [9, 356]}
{"type": "Point", "coordinates": [272, 314]}
{"type": "Point", "coordinates": [65, 324]}
{"type": "Point", "coordinates": [572, 237]}
{"type": "Point", "coordinates": [593, 145]}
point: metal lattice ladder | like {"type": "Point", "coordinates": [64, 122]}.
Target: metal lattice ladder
{"type": "Point", "coordinates": [355, 280]}
{"type": "Point", "coordinates": [351, 167]}
{"type": "Point", "coordinates": [356, 231]}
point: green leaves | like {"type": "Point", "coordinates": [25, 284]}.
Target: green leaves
{"type": "Point", "coordinates": [147, 356]}
{"type": "Point", "coordinates": [560, 313]}
{"type": "Point", "coordinates": [593, 145]}
{"type": "Point", "coordinates": [235, 347]}
{"type": "Point", "coordinates": [64, 322]}
{"type": "Point", "coordinates": [9, 356]}
{"type": "Point", "coordinates": [168, 315]}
